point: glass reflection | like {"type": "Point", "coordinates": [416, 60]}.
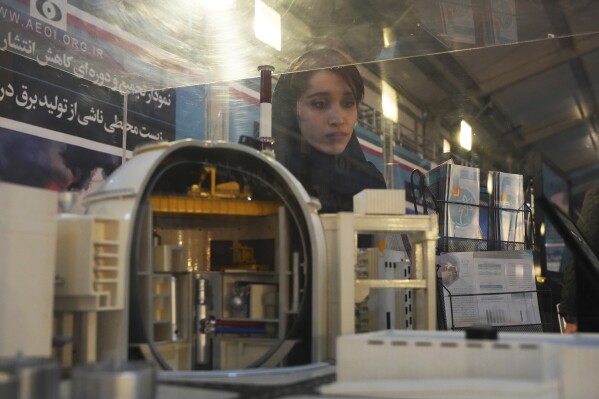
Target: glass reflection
{"type": "Point", "coordinates": [153, 45]}
{"type": "Point", "coordinates": [103, 77]}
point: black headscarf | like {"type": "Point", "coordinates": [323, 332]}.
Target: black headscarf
{"type": "Point", "coordinates": [333, 179]}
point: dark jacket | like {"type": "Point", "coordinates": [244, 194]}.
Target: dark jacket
{"type": "Point", "coordinates": [579, 298]}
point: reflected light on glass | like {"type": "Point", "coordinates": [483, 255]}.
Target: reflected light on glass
{"type": "Point", "coordinates": [465, 135]}
{"type": "Point", "coordinates": [537, 270]}
{"type": "Point", "coordinates": [519, 271]}
{"type": "Point", "coordinates": [389, 99]}
{"type": "Point", "coordinates": [490, 184]}
{"type": "Point", "coordinates": [267, 25]}
{"type": "Point", "coordinates": [217, 5]}
{"type": "Point", "coordinates": [224, 31]}
{"type": "Point", "coordinates": [388, 37]}
{"type": "Point", "coordinates": [446, 146]}
{"type": "Point", "coordinates": [542, 230]}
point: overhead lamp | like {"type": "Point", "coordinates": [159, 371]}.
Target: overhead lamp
{"type": "Point", "coordinates": [446, 146]}
{"type": "Point", "coordinates": [388, 37]}
{"type": "Point", "coordinates": [465, 135]}
{"type": "Point", "coordinates": [389, 100]}
{"type": "Point", "coordinates": [490, 184]}
{"type": "Point", "coordinates": [267, 25]}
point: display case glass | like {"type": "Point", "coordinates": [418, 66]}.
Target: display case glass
{"type": "Point", "coordinates": [87, 84]}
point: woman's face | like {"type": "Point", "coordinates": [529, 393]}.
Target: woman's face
{"type": "Point", "coordinates": [327, 112]}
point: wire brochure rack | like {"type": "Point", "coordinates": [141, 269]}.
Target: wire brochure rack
{"type": "Point", "coordinates": [485, 269]}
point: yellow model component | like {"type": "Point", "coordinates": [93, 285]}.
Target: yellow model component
{"type": "Point", "coordinates": [243, 259]}
{"type": "Point", "coordinates": [220, 199]}
{"type": "Point", "coordinates": [229, 189]}
{"type": "Point", "coordinates": [243, 254]}
{"type": "Point", "coordinates": [217, 206]}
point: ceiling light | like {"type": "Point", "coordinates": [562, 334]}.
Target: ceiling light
{"type": "Point", "coordinates": [446, 146]}
{"type": "Point", "coordinates": [389, 99]}
{"type": "Point", "coordinates": [267, 25]}
{"type": "Point", "coordinates": [465, 135]}
{"type": "Point", "coordinates": [490, 184]}
{"type": "Point", "coordinates": [388, 37]}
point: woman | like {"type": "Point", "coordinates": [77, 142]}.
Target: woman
{"type": "Point", "coordinates": [315, 109]}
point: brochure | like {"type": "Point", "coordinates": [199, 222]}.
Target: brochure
{"type": "Point", "coordinates": [495, 288]}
